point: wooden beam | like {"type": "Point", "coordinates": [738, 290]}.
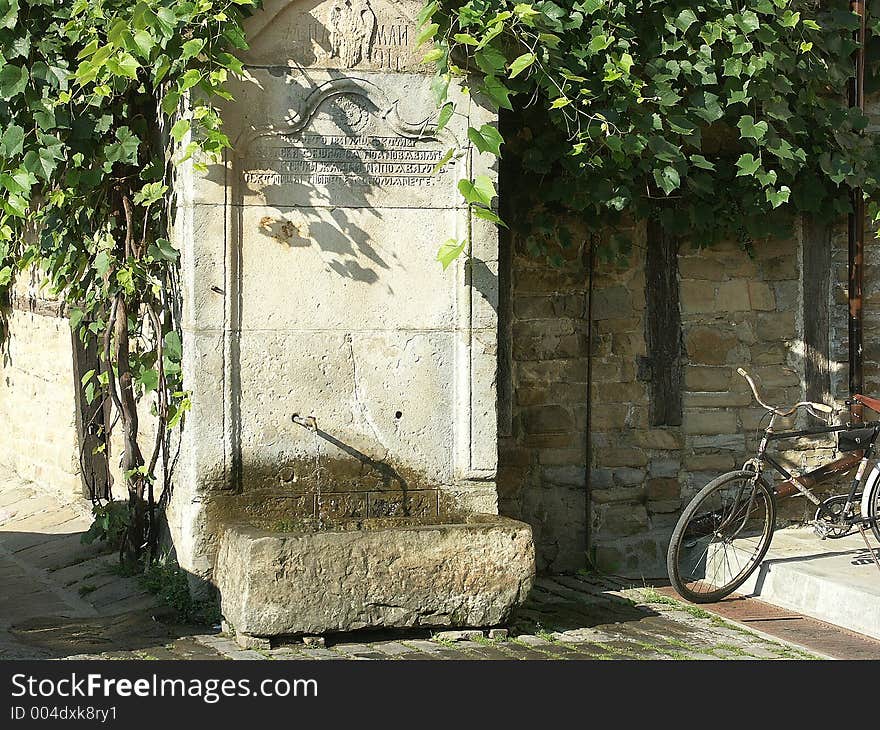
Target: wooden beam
{"type": "Point", "coordinates": [90, 422]}
{"type": "Point", "coordinates": [663, 326]}
{"type": "Point", "coordinates": [816, 274]}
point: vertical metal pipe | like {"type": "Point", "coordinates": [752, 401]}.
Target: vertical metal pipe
{"type": "Point", "coordinates": [588, 482]}
{"type": "Point", "coordinates": [856, 231]}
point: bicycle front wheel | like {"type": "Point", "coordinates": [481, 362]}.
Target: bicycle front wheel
{"type": "Point", "coordinates": [721, 537]}
{"type": "Point", "coordinates": [874, 505]}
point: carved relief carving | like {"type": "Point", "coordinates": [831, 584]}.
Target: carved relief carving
{"type": "Point", "coordinates": [352, 30]}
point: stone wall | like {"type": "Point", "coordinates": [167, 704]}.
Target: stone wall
{"type": "Point", "coordinates": [37, 406]}
{"type": "Point", "coordinates": [542, 402]}
{"type": "Point", "coordinates": [737, 310]}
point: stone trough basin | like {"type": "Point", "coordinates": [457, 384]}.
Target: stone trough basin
{"type": "Point", "coordinates": [470, 571]}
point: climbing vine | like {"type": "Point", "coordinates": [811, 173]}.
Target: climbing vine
{"type": "Point", "coordinates": [100, 102]}
{"type": "Point", "coordinates": [724, 118]}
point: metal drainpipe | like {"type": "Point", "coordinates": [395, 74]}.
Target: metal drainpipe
{"type": "Point", "coordinates": [856, 232]}
{"type": "Point", "coordinates": [587, 476]}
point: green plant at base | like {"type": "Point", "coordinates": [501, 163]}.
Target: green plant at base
{"type": "Point", "coordinates": [720, 119]}
{"type": "Point", "coordinates": [110, 524]}
{"type": "Point", "coordinates": [168, 581]}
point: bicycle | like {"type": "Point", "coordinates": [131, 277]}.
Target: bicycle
{"type": "Point", "coordinates": [725, 530]}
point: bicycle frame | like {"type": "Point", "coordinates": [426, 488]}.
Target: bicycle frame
{"type": "Point", "coordinates": [803, 482]}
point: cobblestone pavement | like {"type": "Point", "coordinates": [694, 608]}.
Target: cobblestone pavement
{"type": "Point", "coordinates": [61, 599]}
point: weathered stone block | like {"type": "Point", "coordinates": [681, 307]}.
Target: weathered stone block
{"type": "Point", "coordinates": [620, 457]}
{"type": "Point", "coordinates": [733, 296]}
{"type": "Point", "coordinates": [697, 296]}
{"type": "Point", "coordinates": [563, 457]}
{"type": "Point", "coordinates": [701, 378]}
{"type": "Point", "coordinates": [664, 467]}
{"type": "Point", "coordinates": [709, 345]}
{"type": "Point", "coordinates": [628, 476]}
{"type": "Point", "coordinates": [467, 574]}
{"type": "Point", "coordinates": [724, 441]}
{"type": "Point", "coordinates": [548, 347]}
{"type": "Point", "coordinates": [612, 302]}
{"type": "Point", "coordinates": [563, 371]}
{"type": "Point", "coordinates": [547, 419]}
{"type": "Point", "coordinates": [780, 267]}
{"type": "Point", "coordinates": [566, 440]}
{"type": "Point", "coordinates": [663, 489]}
{"type": "Point", "coordinates": [617, 494]}
{"type": "Point", "coordinates": [787, 294]}
{"type": "Point", "coordinates": [770, 377]}
{"type": "Point", "coordinates": [774, 326]}
{"type": "Point", "coordinates": [533, 307]}
{"type": "Point", "coordinates": [618, 324]}
{"type": "Point", "coordinates": [622, 519]}
{"type": "Point", "coordinates": [709, 462]}
{"type": "Point", "coordinates": [728, 399]}
{"type": "Point", "coordinates": [570, 476]}
{"type": "Point", "coordinates": [769, 353]}
{"type": "Point", "coordinates": [664, 507]}
{"type": "Point", "coordinates": [621, 393]}
{"type": "Point", "coordinates": [700, 267]}
{"type": "Point", "coordinates": [709, 422]}
{"type": "Point", "coordinates": [658, 439]}
{"type": "Point", "coordinates": [761, 296]}
{"type": "Point", "coordinates": [628, 344]}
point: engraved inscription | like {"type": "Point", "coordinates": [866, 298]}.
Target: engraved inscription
{"type": "Point", "coordinates": [357, 160]}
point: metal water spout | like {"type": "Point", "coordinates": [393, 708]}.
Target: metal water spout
{"type": "Point", "coordinates": [311, 423]}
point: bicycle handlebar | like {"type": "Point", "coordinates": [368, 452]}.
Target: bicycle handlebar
{"type": "Point", "coordinates": [814, 408]}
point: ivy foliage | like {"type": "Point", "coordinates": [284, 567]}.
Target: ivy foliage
{"type": "Point", "coordinates": [92, 129]}
{"type": "Point", "coordinates": [723, 118]}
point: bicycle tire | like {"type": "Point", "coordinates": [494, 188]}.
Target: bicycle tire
{"type": "Point", "coordinates": [682, 580]}
{"type": "Point", "coordinates": [874, 508]}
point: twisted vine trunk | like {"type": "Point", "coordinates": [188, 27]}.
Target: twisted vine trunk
{"type": "Point", "coordinates": [132, 458]}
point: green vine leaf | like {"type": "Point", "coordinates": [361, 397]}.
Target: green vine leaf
{"type": "Point", "coordinates": [489, 215]}
{"type": "Point", "coordinates": [486, 139]}
{"type": "Point", "coordinates": [446, 112]}
{"type": "Point", "coordinates": [124, 65]}
{"type": "Point", "coordinates": [480, 190]}
{"type": "Point", "coordinates": [180, 129]}
{"type": "Point", "coordinates": [668, 179]}
{"type": "Point", "coordinates": [441, 163]}
{"type": "Point", "coordinates": [450, 251]}
{"type": "Point", "coordinates": [12, 141]}
{"type": "Point", "coordinates": [13, 80]}
{"type": "Point", "coordinates": [747, 164]}
{"type": "Point", "coordinates": [749, 129]}
{"type": "Point", "coordinates": [498, 92]}
{"type": "Point", "coordinates": [521, 63]}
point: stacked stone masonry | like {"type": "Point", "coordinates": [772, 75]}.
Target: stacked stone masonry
{"type": "Point", "coordinates": [738, 309]}
{"type": "Point", "coordinates": [37, 407]}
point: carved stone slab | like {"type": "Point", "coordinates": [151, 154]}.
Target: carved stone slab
{"type": "Point", "coordinates": [341, 34]}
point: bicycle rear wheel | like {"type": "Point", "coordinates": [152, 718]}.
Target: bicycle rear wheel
{"type": "Point", "coordinates": [721, 537]}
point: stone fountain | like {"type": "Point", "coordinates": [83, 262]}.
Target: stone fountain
{"type": "Point", "coordinates": [338, 466]}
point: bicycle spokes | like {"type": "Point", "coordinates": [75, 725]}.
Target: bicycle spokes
{"type": "Point", "coordinates": [725, 534]}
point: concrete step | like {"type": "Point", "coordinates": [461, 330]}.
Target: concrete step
{"type": "Point", "coordinates": [832, 580]}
